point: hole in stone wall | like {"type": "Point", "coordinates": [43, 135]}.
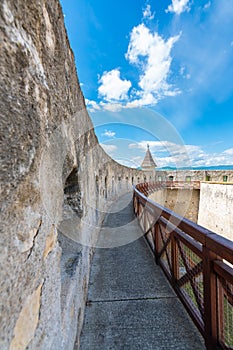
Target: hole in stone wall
{"type": "Point", "coordinates": [97, 183]}
{"type": "Point", "coordinates": [106, 186]}
{"type": "Point", "coordinates": [72, 193]}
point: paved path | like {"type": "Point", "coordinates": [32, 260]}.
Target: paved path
{"type": "Point", "coordinates": [130, 303]}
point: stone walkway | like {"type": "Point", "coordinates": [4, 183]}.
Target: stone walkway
{"type": "Point", "coordinates": [130, 303]}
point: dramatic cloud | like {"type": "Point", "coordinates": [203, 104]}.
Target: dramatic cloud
{"type": "Point", "coordinates": [147, 14]}
{"type": "Point", "coordinates": [178, 6]}
{"type": "Point", "coordinates": [113, 87]}
{"type": "Point", "coordinates": [152, 54]}
{"type": "Point", "coordinates": [109, 133]}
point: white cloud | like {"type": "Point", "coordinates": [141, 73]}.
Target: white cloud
{"type": "Point", "coordinates": [146, 99]}
{"type": "Point", "coordinates": [108, 148]}
{"type": "Point", "coordinates": [130, 163]}
{"type": "Point", "coordinates": [111, 106]}
{"type": "Point", "coordinates": [207, 5]}
{"type": "Point", "coordinates": [113, 87]}
{"type": "Point", "coordinates": [147, 12]}
{"type": "Point", "coordinates": [92, 105]}
{"type": "Point", "coordinates": [178, 6]}
{"type": "Point", "coordinates": [109, 133]}
{"type": "Point", "coordinates": [167, 153]}
{"type": "Point", "coordinates": [152, 54]}
{"type": "Point", "coordinates": [229, 151]}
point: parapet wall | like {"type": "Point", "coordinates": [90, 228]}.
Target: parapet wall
{"type": "Point", "coordinates": [216, 208]}
{"type": "Point", "coordinates": [184, 202]}
{"type": "Point", "coordinates": [195, 175]}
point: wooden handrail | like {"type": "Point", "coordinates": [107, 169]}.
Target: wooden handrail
{"type": "Point", "coordinates": [197, 262]}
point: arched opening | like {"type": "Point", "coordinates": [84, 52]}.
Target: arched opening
{"type": "Point", "coordinates": [72, 193]}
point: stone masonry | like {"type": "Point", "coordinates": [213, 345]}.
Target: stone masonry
{"type": "Point", "coordinates": [56, 181]}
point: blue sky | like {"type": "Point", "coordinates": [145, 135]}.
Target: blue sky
{"type": "Point", "coordinates": [157, 72]}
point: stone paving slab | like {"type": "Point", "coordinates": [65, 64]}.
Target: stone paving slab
{"type": "Point", "coordinates": [139, 324]}
{"type": "Point", "coordinates": [130, 303]}
{"type": "Point", "coordinates": [126, 272]}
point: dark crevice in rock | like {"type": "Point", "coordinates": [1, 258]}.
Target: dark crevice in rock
{"type": "Point", "coordinates": [34, 238]}
{"type": "Point", "coordinates": [72, 193]}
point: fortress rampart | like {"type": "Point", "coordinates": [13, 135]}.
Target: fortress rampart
{"type": "Point", "coordinates": [52, 166]}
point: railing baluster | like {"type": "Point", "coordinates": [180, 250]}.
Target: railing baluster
{"type": "Point", "coordinates": [201, 287]}
{"type": "Point", "coordinates": [175, 264]}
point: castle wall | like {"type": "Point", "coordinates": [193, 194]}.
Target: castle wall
{"type": "Point", "coordinates": [184, 202]}
{"type": "Point", "coordinates": [57, 182]}
{"type": "Point", "coordinates": [195, 175]}
{"type": "Point", "coordinates": [216, 208]}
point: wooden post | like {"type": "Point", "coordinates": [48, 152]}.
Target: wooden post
{"type": "Point", "coordinates": [210, 300]}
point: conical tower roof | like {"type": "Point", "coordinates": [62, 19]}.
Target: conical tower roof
{"type": "Point", "coordinates": [148, 162]}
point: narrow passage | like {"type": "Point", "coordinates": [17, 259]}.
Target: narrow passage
{"type": "Point", "coordinates": [130, 303]}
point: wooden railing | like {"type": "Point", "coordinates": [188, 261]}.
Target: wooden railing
{"type": "Point", "coordinates": [197, 262]}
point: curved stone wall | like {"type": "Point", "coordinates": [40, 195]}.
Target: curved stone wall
{"type": "Point", "coordinates": [52, 167]}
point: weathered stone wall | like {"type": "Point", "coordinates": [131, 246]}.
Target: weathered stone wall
{"type": "Point", "coordinates": [56, 181]}
{"type": "Point", "coordinates": [184, 202]}
{"type": "Point", "coordinates": [216, 208]}
{"type": "Point", "coordinates": [195, 175]}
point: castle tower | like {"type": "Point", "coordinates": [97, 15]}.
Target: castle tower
{"type": "Point", "coordinates": [148, 162]}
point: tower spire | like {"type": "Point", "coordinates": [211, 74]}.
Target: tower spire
{"type": "Point", "coordinates": [148, 162]}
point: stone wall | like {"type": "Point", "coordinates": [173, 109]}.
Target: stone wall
{"type": "Point", "coordinates": [57, 182]}
{"type": "Point", "coordinates": [184, 202]}
{"type": "Point", "coordinates": [195, 175]}
{"type": "Point", "coordinates": [216, 208]}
